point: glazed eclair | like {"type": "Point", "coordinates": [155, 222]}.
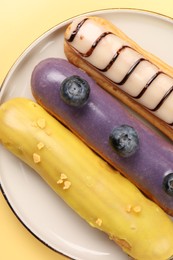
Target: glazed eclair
{"type": "Point", "coordinates": [95, 191]}
{"type": "Point", "coordinates": [107, 126]}
{"type": "Point", "coordinates": [118, 64]}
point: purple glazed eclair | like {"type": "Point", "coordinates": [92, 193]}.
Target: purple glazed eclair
{"type": "Point", "coordinates": [107, 126]}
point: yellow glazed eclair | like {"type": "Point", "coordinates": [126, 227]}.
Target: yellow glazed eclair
{"type": "Point", "coordinates": [93, 189]}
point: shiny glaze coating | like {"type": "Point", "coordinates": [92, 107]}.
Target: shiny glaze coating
{"type": "Point", "coordinates": [94, 122]}
{"type": "Point", "coordinates": [123, 213]}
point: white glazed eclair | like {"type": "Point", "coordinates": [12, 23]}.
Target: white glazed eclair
{"type": "Point", "coordinates": [118, 64]}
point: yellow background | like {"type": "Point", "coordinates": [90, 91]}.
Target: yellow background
{"type": "Point", "coordinates": [21, 22]}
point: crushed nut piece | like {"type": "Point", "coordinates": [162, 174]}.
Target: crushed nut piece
{"type": "Point", "coordinates": [67, 185]}
{"type": "Point", "coordinates": [40, 145]}
{"type": "Point", "coordinates": [128, 208]}
{"type": "Point", "coordinates": [99, 222]}
{"type": "Point", "coordinates": [36, 158]}
{"type": "Point", "coordinates": [63, 179]}
{"type": "Point", "coordinates": [59, 181]}
{"type": "Point", "coordinates": [63, 176]}
{"type": "Point", "coordinates": [137, 209]}
{"type": "Point", "coordinates": [41, 123]}
{"type": "Point", "coordinates": [111, 236]}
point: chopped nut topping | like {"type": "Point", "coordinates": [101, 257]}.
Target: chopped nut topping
{"type": "Point", "coordinates": [60, 181]}
{"type": "Point", "coordinates": [99, 222]}
{"type": "Point", "coordinates": [111, 236]}
{"type": "Point", "coordinates": [63, 176]}
{"type": "Point", "coordinates": [137, 209]}
{"type": "Point", "coordinates": [41, 123]}
{"type": "Point", "coordinates": [128, 208]}
{"type": "Point", "coordinates": [40, 145]}
{"type": "Point", "coordinates": [63, 179]}
{"type": "Point", "coordinates": [67, 185]}
{"type": "Point", "coordinates": [36, 158]}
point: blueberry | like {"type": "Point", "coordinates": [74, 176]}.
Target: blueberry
{"type": "Point", "coordinates": [75, 91]}
{"type": "Point", "coordinates": [168, 184]}
{"type": "Point", "coordinates": [124, 140]}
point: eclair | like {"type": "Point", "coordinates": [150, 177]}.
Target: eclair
{"type": "Point", "coordinates": [101, 196]}
{"type": "Point", "coordinates": [106, 126]}
{"type": "Point", "coordinates": [118, 64]}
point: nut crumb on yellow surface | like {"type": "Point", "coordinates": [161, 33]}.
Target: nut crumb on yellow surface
{"type": "Point", "coordinates": [67, 185]}
{"type": "Point", "coordinates": [59, 181]}
{"type": "Point", "coordinates": [36, 158]}
{"type": "Point", "coordinates": [137, 209]}
{"type": "Point", "coordinates": [99, 222]}
{"type": "Point", "coordinates": [63, 176]}
{"type": "Point", "coordinates": [41, 123]}
{"type": "Point", "coordinates": [129, 208]}
{"type": "Point", "coordinates": [63, 179]}
{"type": "Point", "coordinates": [40, 145]}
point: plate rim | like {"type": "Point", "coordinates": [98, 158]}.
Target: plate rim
{"type": "Point", "coordinates": [66, 21]}
{"type": "Point", "coordinates": [29, 48]}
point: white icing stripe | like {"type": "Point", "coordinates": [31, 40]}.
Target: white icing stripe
{"type": "Point", "coordinates": [157, 90]}
{"type": "Point", "coordinates": [137, 79]}
{"type": "Point", "coordinates": [101, 61]}
{"type": "Point", "coordinates": [122, 65]}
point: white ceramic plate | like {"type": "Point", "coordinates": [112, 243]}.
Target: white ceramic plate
{"type": "Point", "coordinates": [34, 203]}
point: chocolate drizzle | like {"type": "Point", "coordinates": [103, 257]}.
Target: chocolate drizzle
{"type": "Point", "coordinates": [94, 45]}
{"type": "Point", "coordinates": [163, 99]}
{"type": "Point", "coordinates": [74, 33]}
{"type": "Point", "coordinates": [114, 59]}
{"type": "Point", "coordinates": [129, 72]}
{"type": "Point", "coordinates": [148, 84]}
